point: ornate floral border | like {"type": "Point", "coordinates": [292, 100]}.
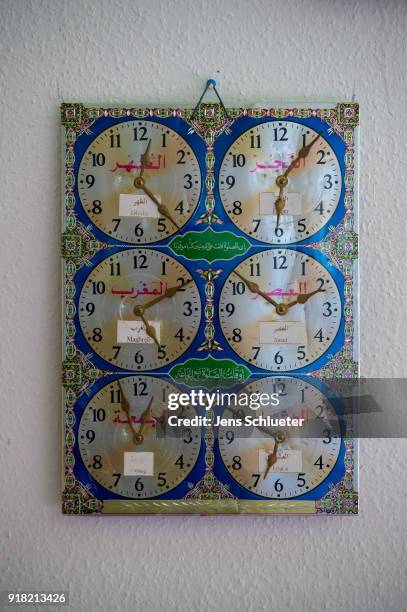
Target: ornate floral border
{"type": "Point", "coordinates": [79, 245]}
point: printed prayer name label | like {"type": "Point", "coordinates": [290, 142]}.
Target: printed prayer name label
{"type": "Point", "coordinates": [138, 464]}
{"type": "Point", "coordinates": [287, 461]}
{"type": "Point", "coordinates": [283, 332]}
{"type": "Point", "coordinates": [293, 204]}
{"type": "Point", "coordinates": [138, 205]}
{"type": "Point", "coordinates": [134, 332]}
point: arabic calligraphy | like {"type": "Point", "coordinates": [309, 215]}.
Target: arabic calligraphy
{"type": "Point", "coordinates": [133, 293]}
{"type": "Point", "coordinates": [278, 292]}
{"type": "Point", "coordinates": [277, 164]}
{"type": "Point", "coordinates": [129, 166]}
{"type": "Point", "coordinates": [134, 419]}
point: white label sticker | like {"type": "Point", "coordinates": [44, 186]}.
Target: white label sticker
{"type": "Point", "coordinates": [283, 332]}
{"type": "Point", "coordinates": [134, 332]}
{"type": "Point", "coordinates": [293, 204]}
{"type": "Point", "coordinates": [138, 464]}
{"type": "Point", "coordinates": [138, 205]}
{"type": "Point", "coordinates": [287, 461]}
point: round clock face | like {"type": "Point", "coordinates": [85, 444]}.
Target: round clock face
{"type": "Point", "coordinates": [139, 309]}
{"type": "Point", "coordinates": [300, 463]}
{"type": "Point", "coordinates": [129, 416]}
{"type": "Point", "coordinates": [166, 168]}
{"type": "Point", "coordinates": [249, 190]}
{"type": "Point", "coordinates": [280, 309]}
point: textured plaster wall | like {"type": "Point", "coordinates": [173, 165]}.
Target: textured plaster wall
{"type": "Point", "coordinates": [151, 51]}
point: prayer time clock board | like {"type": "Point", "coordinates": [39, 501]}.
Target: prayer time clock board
{"type": "Point", "coordinates": [212, 249]}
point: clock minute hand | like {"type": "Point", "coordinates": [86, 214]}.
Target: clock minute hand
{"type": "Point", "coordinates": [254, 288]}
{"type": "Point", "coordinates": [168, 293]}
{"type": "Point", "coordinates": [282, 179]}
{"type": "Point", "coordinates": [126, 408]}
{"type": "Point", "coordinates": [150, 331]}
{"type": "Point", "coordinates": [162, 209]}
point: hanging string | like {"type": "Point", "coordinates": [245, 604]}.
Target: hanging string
{"type": "Point", "coordinates": [210, 84]}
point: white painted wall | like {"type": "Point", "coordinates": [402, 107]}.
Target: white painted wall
{"type": "Point", "coordinates": [151, 51]}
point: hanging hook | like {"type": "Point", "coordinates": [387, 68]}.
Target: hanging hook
{"type": "Point", "coordinates": [210, 84]}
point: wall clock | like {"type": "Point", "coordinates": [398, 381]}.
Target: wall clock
{"type": "Point", "coordinates": [208, 250]}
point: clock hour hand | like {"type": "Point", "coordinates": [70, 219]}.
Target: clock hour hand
{"type": "Point", "coordinates": [162, 209]}
{"type": "Point", "coordinates": [144, 160]}
{"type": "Point", "coordinates": [302, 298]}
{"type": "Point", "coordinates": [150, 331]}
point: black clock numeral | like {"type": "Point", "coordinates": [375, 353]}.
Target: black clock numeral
{"type": "Point", "coordinates": [140, 388]}
{"type": "Point", "coordinates": [97, 334]}
{"type": "Point", "coordinates": [239, 160]}
{"type": "Point", "coordinates": [230, 308]}
{"type": "Point", "coordinates": [278, 231]}
{"type": "Point", "coordinates": [139, 485]}
{"type": "Point", "coordinates": [115, 396]}
{"type": "Point", "coordinates": [180, 207]}
{"type": "Point", "coordinates": [318, 462]}
{"type": "Point", "coordinates": [300, 352]}
{"type": "Point", "coordinates": [161, 226]}
{"type": "Point", "coordinates": [98, 288]}
{"type": "Point", "coordinates": [328, 311]}
{"type": "Point", "coordinates": [90, 180]}
{"type": "Point", "coordinates": [256, 223]}
{"type": "Point", "coordinates": [320, 207]}
{"type": "Point", "coordinates": [180, 335]}
{"type": "Point", "coordinates": [140, 133]}
{"type": "Point", "coordinates": [181, 282]}
{"type": "Point", "coordinates": [139, 262]}
{"type": "Point", "coordinates": [280, 134]}
{"type": "Point", "coordinates": [256, 478]}
{"type": "Point", "coordinates": [180, 462]}
{"type": "Point", "coordinates": [97, 462]}
{"type": "Point", "coordinates": [237, 335]}
{"type": "Point", "coordinates": [280, 262]}
{"type": "Point", "coordinates": [238, 288]}
{"type": "Point", "coordinates": [117, 478]}
{"type": "Point", "coordinates": [187, 435]}
{"type": "Point", "coordinates": [161, 354]}
{"type": "Point", "coordinates": [139, 230]}
{"type": "Point", "coordinates": [90, 435]}
{"type": "Point", "coordinates": [181, 157]}
{"type": "Point", "coordinates": [319, 336]}
{"type": "Point", "coordinates": [188, 309]}
{"type": "Point", "coordinates": [98, 414]}
{"type": "Point", "coordinates": [97, 207]}
{"type": "Point", "coordinates": [237, 462]}
{"type": "Point", "coordinates": [188, 181]}
{"type": "Point", "coordinates": [161, 479]}
{"type": "Point", "coordinates": [301, 480]}
{"type": "Point", "coordinates": [254, 269]}
{"type": "Point", "coordinates": [279, 388]}
{"type": "Point", "coordinates": [237, 208]}
{"type": "Point", "coordinates": [115, 141]}
{"type": "Point", "coordinates": [138, 357]}
{"type": "Point", "coordinates": [321, 282]}
{"type": "Point", "coordinates": [256, 351]}
{"type": "Point", "coordinates": [90, 308]}
{"type": "Point", "coordinates": [230, 436]}
{"type": "Point", "coordinates": [327, 436]}
{"type": "Point", "coordinates": [116, 224]}
{"type": "Point", "coordinates": [115, 268]}
{"type": "Point", "coordinates": [278, 358]}
{"type": "Point", "coordinates": [322, 156]}
{"type": "Point", "coordinates": [98, 159]}
{"type": "Point", "coordinates": [328, 184]}
{"type": "Point", "coordinates": [230, 181]}
{"type": "Point", "coordinates": [116, 350]}
{"type": "Point", "coordinates": [301, 227]}
{"type": "Point", "coordinates": [255, 141]}
{"type": "Point", "coordinates": [278, 486]}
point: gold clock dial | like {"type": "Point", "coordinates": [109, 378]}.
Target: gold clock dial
{"type": "Point", "coordinates": [248, 182]}
{"type": "Point", "coordinates": [280, 309]}
{"type": "Point", "coordinates": [167, 171]}
{"type": "Point", "coordinates": [276, 462]}
{"type": "Point", "coordinates": [139, 309]}
{"type": "Point", "coordinates": [125, 444]}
